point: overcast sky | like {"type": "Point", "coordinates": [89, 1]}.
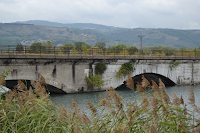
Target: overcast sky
{"type": "Point", "coordinates": [176, 14]}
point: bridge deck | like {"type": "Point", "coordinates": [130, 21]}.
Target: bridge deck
{"type": "Point", "coordinates": [98, 57]}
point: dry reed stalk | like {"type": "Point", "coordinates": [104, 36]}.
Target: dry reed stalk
{"type": "Point", "coordinates": [139, 87]}
{"type": "Point", "coordinates": [2, 80]}
{"type": "Point", "coordinates": [31, 94]}
{"type": "Point", "coordinates": [145, 83]}
{"type": "Point", "coordinates": [175, 99]}
{"type": "Point", "coordinates": [113, 112]}
{"type": "Point", "coordinates": [129, 82]}
{"type": "Point", "coordinates": [182, 125]}
{"type": "Point", "coordinates": [91, 107]}
{"type": "Point", "coordinates": [153, 129]}
{"type": "Point", "coordinates": [197, 130]}
{"type": "Point", "coordinates": [76, 108]}
{"type": "Point", "coordinates": [181, 100]}
{"type": "Point", "coordinates": [117, 99]}
{"type": "Point", "coordinates": [84, 119]}
{"type": "Point", "coordinates": [165, 97]}
{"type": "Point", "coordinates": [10, 95]}
{"type": "Point", "coordinates": [42, 80]}
{"type": "Point", "coordinates": [191, 97]}
{"type": "Point", "coordinates": [155, 115]}
{"type": "Point", "coordinates": [155, 88]}
{"type": "Point", "coordinates": [154, 103]}
{"type": "Point", "coordinates": [21, 86]}
{"type": "Point", "coordinates": [144, 103]}
{"type": "Point", "coordinates": [102, 100]}
{"type": "Point", "coordinates": [165, 112]}
{"type": "Point", "coordinates": [33, 83]}
{"type": "Point", "coordinates": [162, 85]}
{"type": "Point", "coordinates": [185, 110]}
{"type": "Point", "coordinates": [62, 113]}
{"type": "Point", "coordinates": [110, 93]}
{"type": "Point", "coordinates": [108, 104]}
{"type": "Point", "coordinates": [37, 88]}
{"type": "Point", "coordinates": [125, 130]}
{"type": "Point", "coordinates": [76, 129]}
{"type": "Point", "coordinates": [196, 109]}
{"type": "Point", "coordinates": [22, 98]}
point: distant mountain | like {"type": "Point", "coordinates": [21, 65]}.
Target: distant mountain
{"type": "Point", "coordinates": [34, 31]}
{"type": "Point", "coordinates": [158, 37]}
{"type": "Point", "coordinates": [96, 27]}
{"type": "Point", "coordinates": [11, 34]}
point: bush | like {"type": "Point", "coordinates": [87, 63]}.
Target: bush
{"type": "Point", "coordinates": [126, 69]}
{"type": "Point", "coordinates": [174, 65]}
{"type": "Point", "coordinates": [100, 68]}
{"type": "Point", "coordinates": [94, 81]}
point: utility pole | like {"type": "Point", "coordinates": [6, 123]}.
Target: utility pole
{"type": "Point", "coordinates": [141, 36]}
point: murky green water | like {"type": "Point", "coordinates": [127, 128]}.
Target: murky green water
{"type": "Point", "coordinates": [127, 95]}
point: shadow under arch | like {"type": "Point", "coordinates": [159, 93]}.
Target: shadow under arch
{"type": "Point", "coordinates": [149, 76]}
{"type": "Point", "coordinates": [52, 89]}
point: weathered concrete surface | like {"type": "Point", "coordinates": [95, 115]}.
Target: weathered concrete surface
{"type": "Point", "coordinates": [186, 73]}
{"type": "Point", "coordinates": [69, 74]}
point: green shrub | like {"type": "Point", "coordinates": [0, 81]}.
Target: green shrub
{"type": "Point", "coordinates": [94, 81]}
{"type": "Point", "coordinates": [126, 69]}
{"type": "Point", "coordinates": [100, 68]}
{"type": "Point", "coordinates": [174, 65]}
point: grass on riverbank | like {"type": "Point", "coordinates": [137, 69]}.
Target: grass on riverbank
{"type": "Point", "coordinates": [32, 111]}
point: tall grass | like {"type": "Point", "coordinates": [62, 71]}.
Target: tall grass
{"type": "Point", "coordinates": [30, 110]}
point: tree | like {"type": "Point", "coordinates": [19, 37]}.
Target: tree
{"type": "Point", "coordinates": [19, 48]}
{"type": "Point", "coordinates": [79, 45]}
{"type": "Point", "coordinates": [66, 47]}
{"type": "Point", "coordinates": [95, 51]}
{"type": "Point", "coordinates": [35, 47]}
{"type": "Point", "coordinates": [183, 49]}
{"type": "Point", "coordinates": [119, 48]}
{"type": "Point", "coordinates": [101, 45]}
{"type": "Point", "coordinates": [47, 47]}
{"type": "Point", "coordinates": [132, 50]}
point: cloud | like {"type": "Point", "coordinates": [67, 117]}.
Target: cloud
{"type": "Point", "coordinates": [126, 13]}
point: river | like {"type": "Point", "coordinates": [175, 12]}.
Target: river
{"type": "Point", "coordinates": [127, 95]}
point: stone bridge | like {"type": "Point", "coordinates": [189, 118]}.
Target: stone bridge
{"type": "Point", "coordinates": [66, 75]}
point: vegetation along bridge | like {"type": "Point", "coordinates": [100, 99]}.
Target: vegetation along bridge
{"type": "Point", "coordinates": [69, 70]}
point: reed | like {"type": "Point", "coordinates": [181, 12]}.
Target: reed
{"type": "Point", "coordinates": [30, 110]}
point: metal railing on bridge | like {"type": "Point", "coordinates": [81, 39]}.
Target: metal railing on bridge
{"type": "Point", "coordinates": [96, 52]}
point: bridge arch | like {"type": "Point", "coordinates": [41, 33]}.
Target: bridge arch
{"type": "Point", "coordinates": [155, 77]}
{"type": "Point", "coordinates": [149, 76]}
{"type": "Point", "coordinates": [11, 83]}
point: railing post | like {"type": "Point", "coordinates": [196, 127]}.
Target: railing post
{"type": "Point", "coordinates": [175, 54]}
{"type": "Point", "coordinates": [114, 52]}
{"type": "Point", "coordinates": [25, 50]}
{"type": "Point", "coordinates": [92, 52]}
{"type": "Point", "coordinates": [182, 54]}
{"type": "Point", "coordinates": [8, 49]}
{"type": "Point", "coordinates": [54, 50]}
{"type": "Point", "coordinates": [40, 50]}
{"type": "Point", "coordinates": [195, 53]}
{"type": "Point", "coordinates": [104, 53]}
{"type": "Point", "coordinates": [168, 54]}
{"type": "Point", "coordinates": [124, 52]}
